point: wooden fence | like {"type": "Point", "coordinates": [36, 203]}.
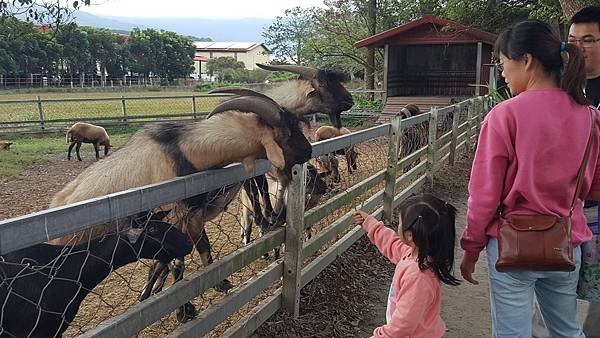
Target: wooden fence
{"type": "Point", "coordinates": [41, 116]}
{"type": "Point", "coordinates": [401, 178]}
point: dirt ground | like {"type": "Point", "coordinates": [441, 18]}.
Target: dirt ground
{"type": "Point", "coordinates": [347, 300]}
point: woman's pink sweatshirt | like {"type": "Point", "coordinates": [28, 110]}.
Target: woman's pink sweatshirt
{"type": "Point", "coordinates": [528, 155]}
{"type": "Point", "coordinates": [415, 296]}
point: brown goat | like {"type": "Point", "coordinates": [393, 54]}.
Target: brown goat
{"type": "Point", "coordinates": [5, 145]}
{"type": "Point", "coordinates": [82, 132]}
{"type": "Point", "coordinates": [328, 162]}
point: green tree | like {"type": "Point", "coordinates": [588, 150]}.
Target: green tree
{"type": "Point", "coordinates": [76, 56]}
{"type": "Point", "coordinates": [288, 35]}
{"type": "Point", "coordinates": [223, 67]}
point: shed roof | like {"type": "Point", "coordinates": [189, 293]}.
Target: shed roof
{"type": "Point", "coordinates": [429, 29]}
{"type": "Point", "coordinates": [214, 46]}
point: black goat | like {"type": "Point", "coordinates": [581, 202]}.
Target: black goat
{"type": "Point", "coordinates": [42, 287]}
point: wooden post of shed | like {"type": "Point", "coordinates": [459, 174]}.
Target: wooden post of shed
{"type": "Point", "coordinates": [478, 69]}
{"type": "Point", "coordinates": [386, 61]}
{"type": "Point", "coordinates": [294, 232]}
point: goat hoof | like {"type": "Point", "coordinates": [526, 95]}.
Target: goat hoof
{"type": "Point", "coordinates": [224, 286]}
{"type": "Point", "coordinates": [186, 312]}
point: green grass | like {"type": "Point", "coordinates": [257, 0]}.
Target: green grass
{"type": "Point", "coordinates": [81, 109]}
{"type": "Point", "coordinates": [30, 150]}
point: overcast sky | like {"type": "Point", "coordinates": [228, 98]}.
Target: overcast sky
{"type": "Point", "coordinates": [217, 9]}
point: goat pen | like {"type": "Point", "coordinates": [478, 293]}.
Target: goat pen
{"type": "Point", "coordinates": [260, 293]}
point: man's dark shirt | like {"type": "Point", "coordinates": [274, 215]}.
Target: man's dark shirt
{"type": "Point", "coordinates": [592, 91]}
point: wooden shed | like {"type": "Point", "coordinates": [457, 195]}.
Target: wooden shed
{"type": "Point", "coordinates": [432, 61]}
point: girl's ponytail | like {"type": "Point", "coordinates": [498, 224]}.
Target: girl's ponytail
{"type": "Point", "coordinates": [572, 79]}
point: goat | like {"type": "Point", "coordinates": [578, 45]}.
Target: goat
{"type": "Point", "coordinates": [328, 162]}
{"type": "Point", "coordinates": [239, 130]}
{"type": "Point", "coordinates": [82, 132]}
{"type": "Point", "coordinates": [42, 286]}
{"type": "Point", "coordinates": [416, 136]}
{"type": "Point", "coordinates": [5, 145]}
{"type": "Point", "coordinates": [315, 91]}
{"type": "Point", "coordinates": [315, 189]}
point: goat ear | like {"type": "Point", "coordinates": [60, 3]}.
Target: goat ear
{"type": "Point", "coordinates": [274, 152]}
{"type": "Point", "coordinates": [133, 234]}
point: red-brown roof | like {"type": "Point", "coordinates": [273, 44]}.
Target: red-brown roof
{"type": "Point", "coordinates": [429, 29]}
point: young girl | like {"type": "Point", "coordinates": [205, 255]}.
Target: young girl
{"type": "Point", "coordinates": [423, 251]}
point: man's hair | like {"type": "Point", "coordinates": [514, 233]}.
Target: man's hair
{"type": "Point", "coordinates": [589, 14]}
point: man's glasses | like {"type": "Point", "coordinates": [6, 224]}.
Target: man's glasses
{"type": "Point", "coordinates": [585, 42]}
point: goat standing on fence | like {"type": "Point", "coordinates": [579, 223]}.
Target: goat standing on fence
{"type": "Point", "coordinates": [82, 132]}
{"type": "Point", "coordinates": [240, 130]}
{"type": "Point", "coordinates": [42, 286]}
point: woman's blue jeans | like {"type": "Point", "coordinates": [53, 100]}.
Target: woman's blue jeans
{"type": "Point", "coordinates": [511, 298]}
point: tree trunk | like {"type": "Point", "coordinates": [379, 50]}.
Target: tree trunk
{"type": "Point", "coordinates": [370, 68]}
{"type": "Point", "coordinates": [570, 7]}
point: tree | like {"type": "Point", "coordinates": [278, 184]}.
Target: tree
{"type": "Point", "coordinates": [47, 12]}
{"type": "Point", "coordinates": [76, 56]}
{"type": "Point", "coordinates": [287, 36]}
{"type": "Point", "coordinates": [223, 67]}
{"type": "Point", "coordinates": [570, 7]}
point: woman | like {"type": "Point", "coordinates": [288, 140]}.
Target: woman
{"type": "Point", "coordinates": [529, 152]}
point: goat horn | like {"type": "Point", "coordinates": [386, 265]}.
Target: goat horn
{"type": "Point", "coordinates": [265, 109]}
{"type": "Point", "coordinates": [241, 92]}
{"type": "Point", "coordinates": [306, 72]}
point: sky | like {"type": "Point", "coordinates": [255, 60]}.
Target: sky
{"type": "Point", "coordinates": [216, 9]}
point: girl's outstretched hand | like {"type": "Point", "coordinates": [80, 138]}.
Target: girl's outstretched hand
{"type": "Point", "coordinates": [360, 216]}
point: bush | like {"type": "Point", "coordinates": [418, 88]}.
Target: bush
{"type": "Point", "coordinates": [361, 102]}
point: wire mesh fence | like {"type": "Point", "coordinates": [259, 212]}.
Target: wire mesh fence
{"type": "Point", "coordinates": [221, 220]}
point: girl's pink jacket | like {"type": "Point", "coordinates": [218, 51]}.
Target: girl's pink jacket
{"type": "Point", "coordinates": [415, 296]}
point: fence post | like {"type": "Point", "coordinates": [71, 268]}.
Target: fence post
{"type": "Point", "coordinates": [124, 109]}
{"type": "Point", "coordinates": [433, 117]}
{"type": "Point", "coordinates": [41, 111]}
{"type": "Point", "coordinates": [194, 106]}
{"type": "Point", "coordinates": [468, 141]}
{"type": "Point", "coordinates": [455, 124]}
{"type": "Point", "coordinates": [392, 168]}
{"type": "Point", "coordinates": [294, 230]}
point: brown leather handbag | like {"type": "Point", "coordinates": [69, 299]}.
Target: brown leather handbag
{"type": "Point", "coordinates": [540, 242]}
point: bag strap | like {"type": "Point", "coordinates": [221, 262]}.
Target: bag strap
{"type": "Point", "coordinates": [584, 162]}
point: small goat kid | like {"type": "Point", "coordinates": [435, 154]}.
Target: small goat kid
{"type": "Point", "coordinates": [5, 145]}
{"type": "Point", "coordinates": [42, 286]}
{"type": "Point", "coordinates": [328, 163]}
{"type": "Point", "coordinates": [82, 132]}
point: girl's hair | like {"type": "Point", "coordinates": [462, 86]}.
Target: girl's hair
{"type": "Point", "coordinates": [431, 222]}
{"type": "Point", "coordinates": [536, 38]}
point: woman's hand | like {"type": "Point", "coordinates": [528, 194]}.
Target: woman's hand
{"type": "Point", "coordinates": [466, 270]}
{"type": "Point", "coordinates": [360, 216]}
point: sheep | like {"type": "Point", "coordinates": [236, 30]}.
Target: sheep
{"type": "Point", "coordinates": [82, 132]}
{"type": "Point", "coordinates": [315, 189]}
{"type": "Point", "coordinates": [414, 137]}
{"type": "Point", "coordinates": [239, 130]}
{"type": "Point", "coordinates": [315, 91]}
{"type": "Point", "coordinates": [42, 286]}
{"type": "Point", "coordinates": [328, 162]}
{"type": "Point", "coordinates": [5, 145]}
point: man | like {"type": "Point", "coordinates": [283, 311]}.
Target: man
{"type": "Point", "coordinates": [584, 32]}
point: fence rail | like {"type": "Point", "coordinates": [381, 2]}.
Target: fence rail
{"type": "Point", "coordinates": [38, 116]}
{"type": "Point", "coordinates": [447, 131]}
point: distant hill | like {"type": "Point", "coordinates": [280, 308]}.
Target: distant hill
{"type": "Point", "coordinates": [215, 29]}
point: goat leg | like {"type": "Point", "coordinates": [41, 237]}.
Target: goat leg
{"type": "Point", "coordinates": [253, 192]}
{"type": "Point", "coordinates": [156, 271]}
{"type": "Point", "coordinates": [187, 311]}
{"type": "Point", "coordinates": [203, 248]}
{"type": "Point", "coordinates": [70, 148]}
{"type": "Point", "coordinates": [77, 150]}
{"type": "Point", "coordinates": [96, 150]}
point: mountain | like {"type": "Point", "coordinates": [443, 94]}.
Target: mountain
{"type": "Point", "coordinates": [241, 30]}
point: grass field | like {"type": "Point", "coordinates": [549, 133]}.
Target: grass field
{"type": "Point", "coordinates": [158, 104]}
{"type": "Point", "coordinates": [28, 150]}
